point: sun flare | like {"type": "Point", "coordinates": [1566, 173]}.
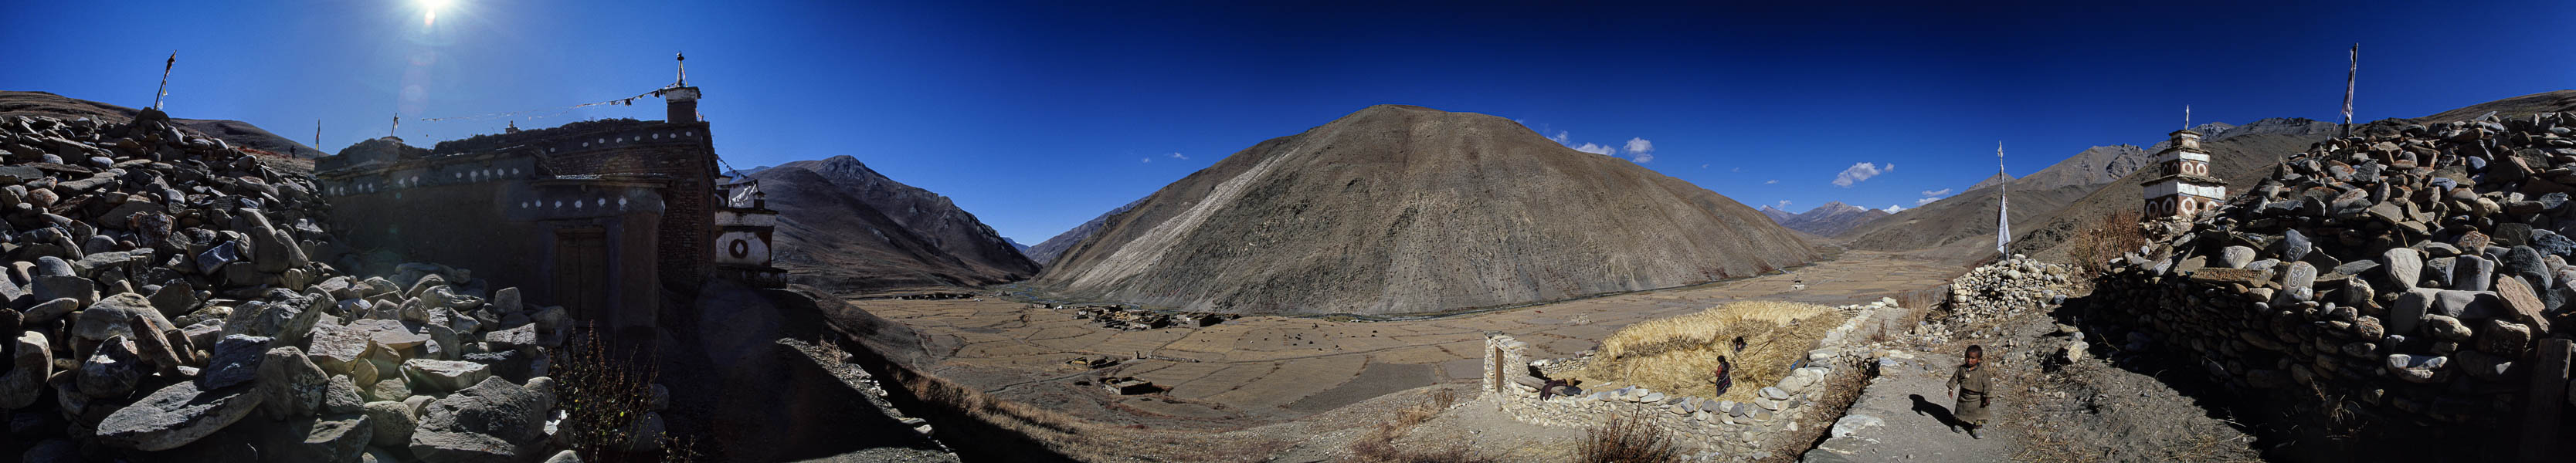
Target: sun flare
{"type": "Point", "coordinates": [429, 10]}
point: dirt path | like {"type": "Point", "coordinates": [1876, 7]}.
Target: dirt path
{"type": "Point", "coordinates": [1910, 402]}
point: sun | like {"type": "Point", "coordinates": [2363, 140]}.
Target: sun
{"type": "Point", "coordinates": [429, 10]}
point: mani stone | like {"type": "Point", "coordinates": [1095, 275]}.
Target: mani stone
{"type": "Point", "coordinates": [2300, 275]}
{"type": "Point", "coordinates": [2472, 273]}
{"type": "Point", "coordinates": [2236, 256]}
{"type": "Point", "coordinates": [2293, 246]}
{"type": "Point", "coordinates": [2522, 303]}
{"type": "Point", "coordinates": [175, 416]}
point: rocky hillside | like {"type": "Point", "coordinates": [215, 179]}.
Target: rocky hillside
{"type": "Point", "coordinates": [234, 133]}
{"type": "Point", "coordinates": [1828, 220]}
{"type": "Point", "coordinates": [1046, 251]}
{"type": "Point", "coordinates": [844, 226]}
{"type": "Point", "coordinates": [177, 300]}
{"type": "Point", "coordinates": [1402, 209]}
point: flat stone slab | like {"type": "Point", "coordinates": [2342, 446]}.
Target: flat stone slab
{"type": "Point", "coordinates": [175, 416]}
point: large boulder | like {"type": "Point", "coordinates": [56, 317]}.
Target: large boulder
{"type": "Point", "coordinates": [31, 363]}
{"type": "Point", "coordinates": [112, 371]}
{"type": "Point", "coordinates": [235, 360]}
{"type": "Point", "coordinates": [114, 316]}
{"type": "Point", "coordinates": [444, 375]}
{"type": "Point", "coordinates": [176, 415]}
{"type": "Point", "coordinates": [491, 421]}
{"type": "Point", "coordinates": [394, 423]}
{"type": "Point", "coordinates": [293, 385]}
{"type": "Point", "coordinates": [323, 439]}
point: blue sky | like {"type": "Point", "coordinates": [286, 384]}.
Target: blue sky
{"type": "Point", "coordinates": [1037, 116]}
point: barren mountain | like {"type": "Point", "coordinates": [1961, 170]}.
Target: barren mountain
{"type": "Point", "coordinates": [1827, 220]}
{"type": "Point", "coordinates": [236, 133]}
{"type": "Point", "coordinates": [1777, 215]}
{"type": "Point", "coordinates": [1046, 251]}
{"type": "Point", "coordinates": [846, 226]}
{"type": "Point", "coordinates": [1403, 209]}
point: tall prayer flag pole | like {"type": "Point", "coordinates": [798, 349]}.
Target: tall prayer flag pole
{"type": "Point", "coordinates": [2347, 88]}
{"type": "Point", "coordinates": [2003, 207]}
{"type": "Point", "coordinates": [165, 79]}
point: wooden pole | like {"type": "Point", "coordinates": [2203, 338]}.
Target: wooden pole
{"type": "Point", "coordinates": [2540, 429]}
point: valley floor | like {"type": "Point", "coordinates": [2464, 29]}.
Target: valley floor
{"type": "Point", "coordinates": [1263, 370]}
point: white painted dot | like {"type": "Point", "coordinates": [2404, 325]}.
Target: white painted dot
{"type": "Point", "coordinates": [603, 201]}
{"type": "Point", "coordinates": [657, 136]}
{"type": "Point", "coordinates": [558, 204]}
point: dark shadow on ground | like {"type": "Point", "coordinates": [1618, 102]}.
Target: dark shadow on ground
{"type": "Point", "coordinates": [1938, 412]}
{"type": "Point", "coordinates": [2288, 425]}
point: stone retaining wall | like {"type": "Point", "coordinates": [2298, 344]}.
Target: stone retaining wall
{"type": "Point", "coordinates": [1707, 429]}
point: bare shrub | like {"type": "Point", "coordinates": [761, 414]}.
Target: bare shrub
{"type": "Point", "coordinates": [2106, 239]}
{"type": "Point", "coordinates": [1627, 438]}
{"type": "Point", "coordinates": [1378, 445]}
{"type": "Point", "coordinates": [604, 392]}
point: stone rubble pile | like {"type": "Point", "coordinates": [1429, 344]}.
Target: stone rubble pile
{"type": "Point", "coordinates": [2416, 267]}
{"type": "Point", "coordinates": [168, 299]}
{"type": "Point", "coordinates": [1716, 430]}
{"type": "Point", "coordinates": [1991, 293]}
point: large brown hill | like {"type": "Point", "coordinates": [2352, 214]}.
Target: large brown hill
{"type": "Point", "coordinates": [844, 226]}
{"type": "Point", "coordinates": [1404, 209]}
{"type": "Point", "coordinates": [236, 133]}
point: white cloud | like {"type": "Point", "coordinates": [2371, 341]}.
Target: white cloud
{"type": "Point", "coordinates": [1738, 169]}
{"type": "Point", "coordinates": [1562, 137]}
{"type": "Point", "coordinates": [1596, 149]}
{"type": "Point", "coordinates": [1141, 160]}
{"type": "Point", "coordinates": [1938, 192]}
{"type": "Point", "coordinates": [1180, 157]}
{"type": "Point", "coordinates": [1641, 149]}
{"type": "Point", "coordinates": [1921, 202]}
{"type": "Point", "coordinates": [1703, 166]}
{"type": "Point", "coordinates": [1771, 182]}
{"type": "Point", "coordinates": [1859, 172]}
{"type": "Point", "coordinates": [1784, 203]}
{"type": "Point", "coordinates": [1891, 209]}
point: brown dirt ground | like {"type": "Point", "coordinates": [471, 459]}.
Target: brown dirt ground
{"type": "Point", "coordinates": [1267, 369]}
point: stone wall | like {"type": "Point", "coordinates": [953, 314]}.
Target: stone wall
{"type": "Point", "coordinates": [2416, 272]}
{"type": "Point", "coordinates": [1709, 430]}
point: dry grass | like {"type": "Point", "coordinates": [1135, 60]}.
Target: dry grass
{"type": "Point", "coordinates": [1378, 445]}
{"type": "Point", "coordinates": [2104, 240]}
{"type": "Point", "coordinates": [1010, 426]}
{"type": "Point", "coordinates": [1627, 438]}
{"type": "Point", "coordinates": [1676, 354]}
